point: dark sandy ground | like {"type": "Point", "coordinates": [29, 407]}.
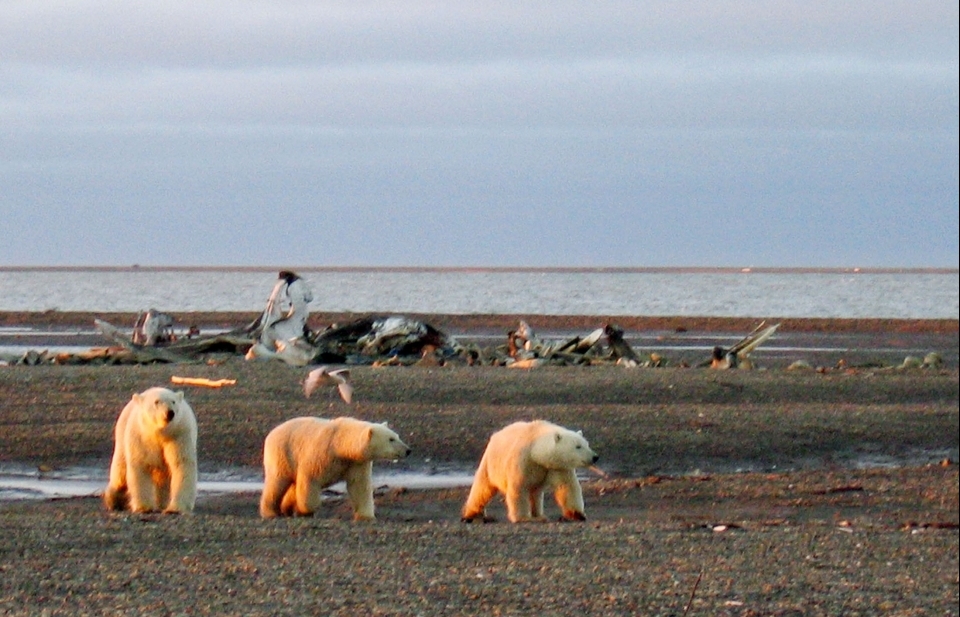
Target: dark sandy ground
{"type": "Point", "coordinates": [812, 527]}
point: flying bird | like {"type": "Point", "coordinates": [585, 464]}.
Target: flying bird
{"type": "Point", "coordinates": [324, 377]}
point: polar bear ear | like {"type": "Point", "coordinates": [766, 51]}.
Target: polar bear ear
{"type": "Point", "coordinates": [136, 398]}
{"type": "Point", "coordinates": [580, 433]}
{"type": "Point", "coordinates": [385, 425]}
{"type": "Point", "coordinates": [180, 396]}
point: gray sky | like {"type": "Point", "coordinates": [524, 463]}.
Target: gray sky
{"type": "Point", "coordinates": [714, 133]}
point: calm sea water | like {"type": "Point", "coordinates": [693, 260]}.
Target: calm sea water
{"type": "Point", "coordinates": [723, 293]}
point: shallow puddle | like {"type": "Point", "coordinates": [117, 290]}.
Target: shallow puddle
{"type": "Point", "coordinates": [22, 483]}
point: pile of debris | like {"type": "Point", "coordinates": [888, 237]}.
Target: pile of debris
{"type": "Point", "coordinates": [524, 349]}
{"type": "Point", "coordinates": [281, 332]}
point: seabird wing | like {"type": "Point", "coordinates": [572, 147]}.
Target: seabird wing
{"type": "Point", "coordinates": [315, 378]}
{"type": "Point", "coordinates": [342, 377]}
{"type": "Point", "coordinates": [346, 391]}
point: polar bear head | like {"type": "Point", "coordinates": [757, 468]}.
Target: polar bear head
{"type": "Point", "coordinates": [560, 448]}
{"type": "Point", "coordinates": [163, 410]}
{"type": "Point", "coordinates": [359, 440]}
{"type": "Point", "coordinates": [384, 444]}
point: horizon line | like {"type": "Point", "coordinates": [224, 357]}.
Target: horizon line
{"type": "Point", "coordinates": [498, 269]}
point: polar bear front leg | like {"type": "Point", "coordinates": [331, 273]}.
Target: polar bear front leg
{"type": "Point", "coordinates": [143, 494]}
{"type": "Point", "coordinates": [568, 494]}
{"type": "Point", "coordinates": [183, 483]}
{"type": "Point", "coordinates": [519, 503]}
{"type": "Point", "coordinates": [161, 486]}
{"type": "Point", "coordinates": [360, 490]}
{"type": "Point", "coordinates": [536, 503]}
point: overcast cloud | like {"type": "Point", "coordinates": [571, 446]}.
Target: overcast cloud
{"type": "Point", "coordinates": [480, 134]}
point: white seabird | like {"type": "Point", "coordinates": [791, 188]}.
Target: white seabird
{"type": "Point", "coordinates": [323, 377]}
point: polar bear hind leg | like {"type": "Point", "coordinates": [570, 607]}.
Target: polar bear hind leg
{"type": "Point", "coordinates": [116, 498]}
{"type": "Point", "coordinates": [481, 492]}
{"type": "Point", "coordinates": [307, 494]}
{"type": "Point", "coordinates": [276, 493]}
{"type": "Point", "coordinates": [117, 495]}
{"type": "Point", "coordinates": [288, 503]}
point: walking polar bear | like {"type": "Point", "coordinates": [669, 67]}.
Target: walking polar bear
{"type": "Point", "coordinates": [154, 462]}
{"type": "Point", "coordinates": [523, 460]}
{"type": "Point", "coordinates": [304, 455]}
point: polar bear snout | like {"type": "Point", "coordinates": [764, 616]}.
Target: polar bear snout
{"type": "Point", "coordinates": [402, 451]}
{"type": "Point", "coordinates": [596, 457]}
{"type": "Point", "coordinates": [170, 414]}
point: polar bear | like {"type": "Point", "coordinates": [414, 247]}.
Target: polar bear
{"type": "Point", "coordinates": [523, 460]}
{"type": "Point", "coordinates": [304, 455]}
{"type": "Point", "coordinates": [154, 462]}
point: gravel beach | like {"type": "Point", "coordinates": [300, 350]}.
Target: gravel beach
{"type": "Point", "coordinates": [767, 492]}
